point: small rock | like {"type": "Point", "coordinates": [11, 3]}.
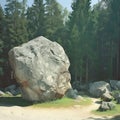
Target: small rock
{"type": "Point", "coordinates": [111, 105]}
{"type": "Point", "coordinates": [79, 97]}
{"type": "Point", "coordinates": [13, 90]}
{"type": "Point", "coordinates": [118, 99]}
{"type": "Point", "coordinates": [2, 93]}
{"type": "Point", "coordinates": [106, 97]}
{"type": "Point", "coordinates": [11, 87]}
{"type": "Point", "coordinates": [18, 91]}
{"type": "Point", "coordinates": [71, 93]}
{"type": "Point", "coordinates": [9, 93]}
{"type": "Point", "coordinates": [106, 106]}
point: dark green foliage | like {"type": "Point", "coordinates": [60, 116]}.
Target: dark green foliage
{"type": "Point", "coordinates": [94, 40]}
{"type": "Point", "coordinates": [107, 38]}
{"type": "Point", "coordinates": [114, 29]}
{"type": "Point", "coordinates": [90, 37]}
{"type": "Point", "coordinates": [36, 19]}
{"type": "Point", "coordinates": [14, 33]}
{"type": "Point", "coordinates": [81, 40]}
{"type": "Point", "coordinates": [1, 38]}
{"type": "Point", "coordinates": [15, 24]}
{"type": "Point", "coordinates": [15, 20]}
{"type": "Point", "coordinates": [54, 20]}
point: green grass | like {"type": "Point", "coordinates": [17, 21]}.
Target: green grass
{"type": "Point", "coordinates": [64, 102]}
{"type": "Point", "coordinates": [115, 111]}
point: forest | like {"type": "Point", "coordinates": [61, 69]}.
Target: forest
{"type": "Point", "coordinates": [89, 34]}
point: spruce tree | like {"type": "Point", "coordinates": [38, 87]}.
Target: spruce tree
{"type": "Point", "coordinates": [81, 23]}
{"type": "Point", "coordinates": [114, 32]}
{"type": "Point", "coordinates": [1, 39]}
{"type": "Point", "coordinates": [54, 19]}
{"type": "Point", "coordinates": [15, 24]}
{"type": "Point", "coordinates": [36, 19]}
{"type": "Point", "coordinates": [15, 31]}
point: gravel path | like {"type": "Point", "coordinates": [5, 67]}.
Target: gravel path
{"type": "Point", "coordinates": [27, 113]}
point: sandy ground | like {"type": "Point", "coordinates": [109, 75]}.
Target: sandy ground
{"type": "Point", "coordinates": [27, 113]}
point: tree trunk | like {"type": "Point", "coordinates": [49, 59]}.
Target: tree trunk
{"type": "Point", "coordinates": [86, 70]}
{"type": "Point", "coordinates": [111, 62]}
{"type": "Point", "coordinates": [118, 64]}
{"type": "Point", "coordinates": [76, 73]}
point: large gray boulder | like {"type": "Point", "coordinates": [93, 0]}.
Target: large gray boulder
{"type": "Point", "coordinates": [41, 68]}
{"type": "Point", "coordinates": [97, 89]}
{"type": "Point", "coordinates": [118, 85]}
{"type": "Point", "coordinates": [115, 84]}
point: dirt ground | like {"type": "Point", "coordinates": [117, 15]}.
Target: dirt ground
{"type": "Point", "coordinates": [28, 113]}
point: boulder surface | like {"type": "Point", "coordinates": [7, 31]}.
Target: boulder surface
{"type": "Point", "coordinates": [106, 106]}
{"type": "Point", "coordinates": [97, 89]}
{"type": "Point", "coordinates": [41, 68]}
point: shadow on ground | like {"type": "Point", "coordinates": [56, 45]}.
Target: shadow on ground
{"type": "Point", "coordinates": [14, 101]}
{"type": "Point", "coordinates": [105, 118]}
{"type": "Point", "coordinates": [116, 117]}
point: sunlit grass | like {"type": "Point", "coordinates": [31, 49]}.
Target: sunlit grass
{"type": "Point", "coordinates": [64, 102]}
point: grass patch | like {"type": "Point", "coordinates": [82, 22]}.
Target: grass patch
{"type": "Point", "coordinates": [64, 102]}
{"type": "Point", "coordinates": [7, 100]}
{"type": "Point", "coordinates": [115, 111]}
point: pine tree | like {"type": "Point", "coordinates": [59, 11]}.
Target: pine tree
{"type": "Point", "coordinates": [80, 17]}
{"type": "Point", "coordinates": [1, 27]}
{"type": "Point", "coordinates": [114, 32]}
{"type": "Point", "coordinates": [36, 19]}
{"type": "Point", "coordinates": [15, 31]}
{"type": "Point", "coordinates": [75, 53]}
{"type": "Point", "coordinates": [15, 24]}
{"type": "Point", "coordinates": [1, 39]}
{"type": "Point", "coordinates": [106, 34]}
{"type": "Point", "coordinates": [54, 19]}
{"type": "Point", "coordinates": [102, 39]}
